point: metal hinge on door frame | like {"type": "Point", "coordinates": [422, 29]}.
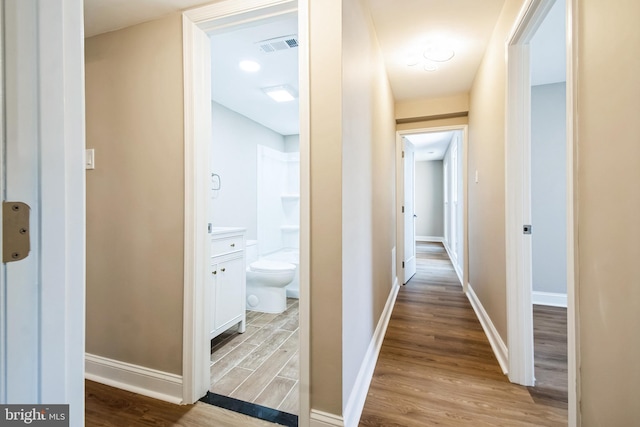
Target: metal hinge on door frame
{"type": "Point", "coordinates": [15, 231]}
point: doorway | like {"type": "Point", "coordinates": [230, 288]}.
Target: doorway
{"type": "Point", "coordinates": [539, 193]}
{"type": "Point", "coordinates": [255, 170]}
{"type": "Point", "coordinates": [220, 18]}
{"type": "Point", "coordinates": [433, 207]}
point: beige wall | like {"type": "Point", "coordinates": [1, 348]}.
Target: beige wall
{"type": "Point", "coordinates": [352, 135]}
{"type": "Point", "coordinates": [432, 107]}
{"type": "Point", "coordinates": [325, 70]}
{"type": "Point", "coordinates": [135, 196]}
{"type": "Point", "coordinates": [608, 202]}
{"type": "Point", "coordinates": [487, 268]}
{"type": "Point", "coordinates": [368, 188]}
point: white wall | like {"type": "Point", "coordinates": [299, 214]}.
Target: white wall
{"type": "Point", "coordinates": [234, 157]}
{"type": "Point", "coordinates": [429, 198]}
{"type": "Point", "coordinates": [292, 143]}
{"type": "Point", "coordinates": [548, 188]}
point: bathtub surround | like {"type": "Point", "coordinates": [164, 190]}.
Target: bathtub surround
{"type": "Point", "coordinates": [278, 200]}
{"type": "Point", "coordinates": [234, 159]}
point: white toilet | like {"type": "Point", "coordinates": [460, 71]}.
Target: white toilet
{"type": "Point", "coordinates": [266, 282]}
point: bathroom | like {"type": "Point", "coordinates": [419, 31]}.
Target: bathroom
{"type": "Point", "coordinates": [254, 190]}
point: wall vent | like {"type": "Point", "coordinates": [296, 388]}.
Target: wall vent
{"type": "Point", "coordinates": [277, 44]}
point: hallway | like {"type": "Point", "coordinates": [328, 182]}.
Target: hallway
{"type": "Point", "coordinates": [436, 366]}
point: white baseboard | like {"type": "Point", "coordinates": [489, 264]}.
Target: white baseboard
{"type": "Point", "coordinates": [137, 379]}
{"type": "Point", "coordinates": [549, 298]}
{"type": "Point", "coordinates": [430, 239]}
{"type": "Point", "coordinates": [454, 261]}
{"type": "Point", "coordinates": [497, 344]}
{"type": "Point", "coordinates": [358, 396]}
{"type": "Point", "coordinates": [324, 419]}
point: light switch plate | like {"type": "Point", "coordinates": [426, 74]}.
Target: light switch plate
{"type": "Point", "coordinates": [89, 159]}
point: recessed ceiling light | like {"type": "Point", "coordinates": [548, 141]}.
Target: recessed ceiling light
{"type": "Point", "coordinates": [283, 93]}
{"type": "Point", "coordinates": [249, 66]}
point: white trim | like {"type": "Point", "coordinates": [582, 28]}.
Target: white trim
{"type": "Point", "coordinates": [325, 419]}
{"type": "Point", "coordinates": [549, 298]}
{"type": "Point", "coordinates": [137, 379]}
{"type": "Point", "coordinates": [519, 324]}
{"type": "Point", "coordinates": [430, 239]}
{"type": "Point", "coordinates": [497, 344]}
{"type": "Point", "coordinates": [454, 262]}
{"type": "Point", "coordinates": [358, 396]}
{"type": "Point", "coordinates": [573, 306]}
{"type": "Point", "coordinates": [197, 139]}
{"type": "Point", "coordinates": [518, 192]}
{"type": "Point", "coordinates": [518, 212]}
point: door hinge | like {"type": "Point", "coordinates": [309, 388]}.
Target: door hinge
{"type": "Point", "coordinates": [15, 231]}
{"type": "Point", "coordinates": [403, 209]}
{"type": "Point", "coordinates": [403, 154]}
{"type": "Point", "coordinates": [402, 264]}
{"type": "Point", "coordinates": [526, 229]}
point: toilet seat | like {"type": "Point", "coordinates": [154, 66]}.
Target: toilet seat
{"type": "Point", "coordinates": [266, 266]}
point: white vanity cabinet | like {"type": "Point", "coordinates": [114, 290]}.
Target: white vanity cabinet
{"type": "Point", "coordinates": [227, 280]}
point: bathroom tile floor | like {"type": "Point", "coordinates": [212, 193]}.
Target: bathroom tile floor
{"type": "Point", "coordinates": [261, 365]}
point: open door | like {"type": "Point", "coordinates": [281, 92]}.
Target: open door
{"type": "Point", "coordinates": [408, 209]}
{"type": "Point", "coordinates": [42, 213]}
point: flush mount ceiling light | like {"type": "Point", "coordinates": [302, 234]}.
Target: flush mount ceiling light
{"type": "Point", "coordinates": [284, 93]}
{"type": "Point", "coordinates": [432, 52]}
{"type": "Point", "coordinates": [438, 52]}
{"type": "Point", "coordinates": [249, 66]}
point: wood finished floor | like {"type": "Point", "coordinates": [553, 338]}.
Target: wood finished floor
{"type": "Point", "coordinates": [111, 407]}
{"type": "Point", "coordinates": [436, 366]}
{"type": "Point", "coordinates": [261, 365]}
{"type": "Point", "coordinates": [550, 353]}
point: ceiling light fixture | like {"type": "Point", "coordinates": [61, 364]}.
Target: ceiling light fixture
{"type": "Point", "coordinates": [438, 52]}
{"type": "Point", "coordinates": [430, 66]}
{"type": "Point", "coordinates": [284, 93]}
{"type": "Point", "coordinates": [433, 52]}
{"type": "Point", "coordinates": [249, 66]}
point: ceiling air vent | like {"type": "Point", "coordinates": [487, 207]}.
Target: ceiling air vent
{"type": "Point", "coordinates": [278, 43]}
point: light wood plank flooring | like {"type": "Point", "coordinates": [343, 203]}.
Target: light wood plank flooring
{"type": "Point", "coordinates": [436, 366]}
{"type": "Point", "coordinates": [261, 365]}
{"type": "Point", "coordinates": [550, 353]}
{"type": "Point", "coordinates": [111, 407]}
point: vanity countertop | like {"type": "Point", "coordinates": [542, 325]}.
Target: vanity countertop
{"type": "Point", "coordinates": [226, 230]}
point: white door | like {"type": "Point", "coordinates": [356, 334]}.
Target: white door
{"type": "Point", "coordinates": [41, 164]}
{"type": "Point", "coordinates": [20, 279]}
{"type": "Point", "coordinates": [409, 211]}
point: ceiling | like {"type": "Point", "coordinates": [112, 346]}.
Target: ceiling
{"type": "Point", "coordinates": [430, 146]}
{"type": "Point", "coordinates": [242, 91]}
{"type": "Point", "coordinates": [401, 25]}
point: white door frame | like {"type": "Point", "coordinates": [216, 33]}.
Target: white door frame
{"type": "Point", "coordinates": [518, 200]}
{"type": "Point", "coordinates": [54, 106]}
{"type": "Point", "coordinates": [400, 195]}
{"type": "Point", "coordinates": [197, 108]}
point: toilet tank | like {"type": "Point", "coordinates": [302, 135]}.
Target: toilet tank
{"type": "Point", "coordinates": [251, 251]}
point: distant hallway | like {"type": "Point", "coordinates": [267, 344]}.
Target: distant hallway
{"type": "Point", "coordinates": [436, 366]}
